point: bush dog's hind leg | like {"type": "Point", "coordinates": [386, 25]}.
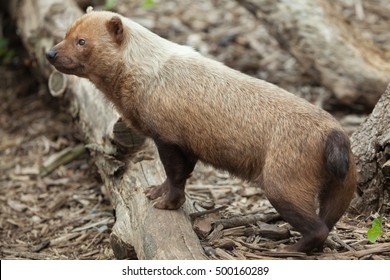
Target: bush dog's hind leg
{"type": "Point", "coordinates": [178, 165]}
{"type": "Point", "coordinates": [301, 214]}
{"type": "Point", "coordinates": [313, 229]}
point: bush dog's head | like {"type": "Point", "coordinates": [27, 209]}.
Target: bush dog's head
{"type": "Point", "coordinates": [92, 37]}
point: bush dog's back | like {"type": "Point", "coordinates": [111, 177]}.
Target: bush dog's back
{"type": "Point", "coordinates": [195, 109]}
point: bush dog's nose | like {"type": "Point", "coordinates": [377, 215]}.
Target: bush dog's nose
{"type": "Point", "coordinates": [51, 54]}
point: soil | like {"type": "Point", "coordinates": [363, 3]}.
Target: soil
{"type": "Point", "coordinates": [64, 213]}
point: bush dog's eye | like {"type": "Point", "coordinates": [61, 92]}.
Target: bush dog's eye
{"type": "Point", "coordinates": [81, 42]}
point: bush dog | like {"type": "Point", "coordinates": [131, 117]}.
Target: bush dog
{"type": "Point", "coordinates": [195, 108]}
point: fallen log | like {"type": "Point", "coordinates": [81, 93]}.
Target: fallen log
{"type": "Point", "coordinates": [126, 161]}
{"type": "Point", "coordinates": [330, 50]}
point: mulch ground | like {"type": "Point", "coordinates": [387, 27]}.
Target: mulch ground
{"type": "Point", "coordinates": [64, 214]}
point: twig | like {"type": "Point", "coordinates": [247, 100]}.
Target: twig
{"type": "Point", "coordinates": [240, 221]}
{"type": "Point", "coordinates": [28, 255]}
{"type": "Point", "coordinates": [195, 215]}
{"type": "Point", "coordinates": [222, 253]}
{"type": "Point", "coordinates": [64, 238]}
{"type": "Point", "coordinates": [342, 243]}
{"type": "Point", "coordinates": [216, 233]}
{"type": "Point", "coordinates": [65, 156]}
{"type": "Point", "coordinates": [272, 254]}
{"type": "Point", "coordinates": [92, 225]}
{"type": "Point", "coordinates": [380, 248]}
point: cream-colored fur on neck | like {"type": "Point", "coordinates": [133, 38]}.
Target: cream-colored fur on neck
{"type": "Point", "coordinates": [148, 51]}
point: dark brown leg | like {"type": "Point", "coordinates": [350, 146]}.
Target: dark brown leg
{"type": "Point", "coordinates": [314, 231]}
{"type": "Point", "coordinates": [301, 214]}
{"type": "Point", "coordinates": [178, 165]}
{"type": "Point", "coordinates": [335, 198]}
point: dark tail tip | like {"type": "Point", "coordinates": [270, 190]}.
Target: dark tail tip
{"type": "Point", "coordinates": [337, 149]}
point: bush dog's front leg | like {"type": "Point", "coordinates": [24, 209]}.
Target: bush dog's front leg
{"type": "Point", "coordinates": [178, 165]}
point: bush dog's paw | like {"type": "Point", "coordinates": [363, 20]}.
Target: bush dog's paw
{"type": "Point", "coordinates": [156, 191]}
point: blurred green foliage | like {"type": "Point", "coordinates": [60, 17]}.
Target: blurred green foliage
{"type": "Point", "coordinates": [6, 54]}
{"type": "Point", "coordinates": [146, 4]}
{"type": "Point", "coordinates": [376, 230]}
{"type": "Point", "coordinates": [110, 4]}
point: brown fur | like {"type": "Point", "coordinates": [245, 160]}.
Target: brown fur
{"type": "Point", "coordinates": [196, 108]}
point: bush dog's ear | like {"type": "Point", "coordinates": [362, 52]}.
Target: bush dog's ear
{"type": "Point", "coordinates": [115, 28]}
{"type": "Point", "coordinates": [89, 9]}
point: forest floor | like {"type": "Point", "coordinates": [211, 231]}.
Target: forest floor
{"type": "Point", "coordinates": [65, 214]}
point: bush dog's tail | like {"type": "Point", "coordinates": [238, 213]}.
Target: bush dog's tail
{"type": "Point", "coordinates": [340, 183]}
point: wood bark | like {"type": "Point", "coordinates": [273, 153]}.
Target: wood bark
{"type": "Point", "coordinates": [371, 146]}
{"type": "Point", "coordinates": [140, 230]}
{"type": "Point", "coordinates": [327, 47]}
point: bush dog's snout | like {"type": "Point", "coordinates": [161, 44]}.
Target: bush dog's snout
{"type": "Point", "coordinates": [51, 54]}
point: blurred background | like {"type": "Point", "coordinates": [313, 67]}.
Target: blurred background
{"type": "Point", "coordinates": [54, 209]}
